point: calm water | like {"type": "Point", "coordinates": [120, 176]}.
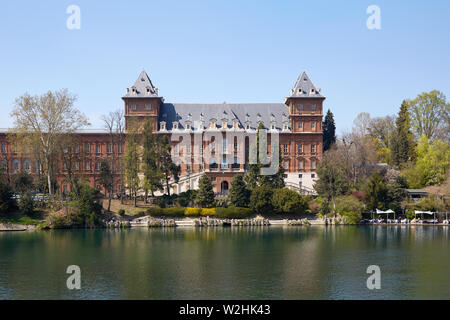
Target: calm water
{"type": "Point", "coordinates": [228, 263]}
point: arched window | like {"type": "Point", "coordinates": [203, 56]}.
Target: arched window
{"type": "Point", "coordinates": [27, 165]}
{"type": "Point", "coordinates": [213, 164]}
{"type": "Point", "coordinates": [16, 165]}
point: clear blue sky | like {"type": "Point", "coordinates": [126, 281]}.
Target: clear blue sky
{"type": "Point", "coordinates": [234, 51]}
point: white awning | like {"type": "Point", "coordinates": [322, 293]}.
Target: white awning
{"type": "Point", "coordinates": [383, 212]}
{"type": "Point", "coordinates": [424, 212]}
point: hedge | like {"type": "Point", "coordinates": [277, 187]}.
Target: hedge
{"type": "Point", "coordinates": [169, 212]}
{"type": "Point", "coordinates": [234, 212]}
{"type": "Point", "coordinates": [192, 211]}
{"type": "Point", "coordinates": [208, 212]}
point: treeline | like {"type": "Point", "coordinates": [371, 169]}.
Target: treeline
{"type": "Point", "coordinates": [370, 167]}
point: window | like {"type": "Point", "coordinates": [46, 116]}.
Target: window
{"type": "Point", "coordinates": [75, 149]}
{"type": "Point", "coordinates": [27, 165]}
{"type": "Point", "coordinates": [188, 167]}
{"type": "Point", "coordinates": [14, 148]}
{"type": "Point", "coordinates": [76, 166]}
{"type": "Point", "coordinates": [313, 107]}
{"type": "Point", "coordinates": [313, 164]}
{"type": "Point", "coordinates": [97, 166]}
{"type": "Point", "coordinates": [86, 148]}
{"type": "Point", "coordinates": [98, 148]}
{"type": "Point", "coordinates": [300, 107]}
{"type": "Point", "coordinates": [213, 179]}
{"type": "Point", "coordinates": [148, 107]}
{"type": "Point", "coordinates": [108, 148]}
{"type": "Point", "coordinates": [224, 164]}
{"type": "Point", "coordinates": [235, 146]}
{"type": "Point", "coordinates": [175, 149]}
{"type": "Point", "coordinates": [300, 125]}
{"type": "Point", "coordinates": [200, 166]}
{"type": "Point", "coordinates": [285, 148]}
{"type": "Point", "coordinates": [286, 165]}
{"type": "Point", "coordinates": [300, 148]}
{"type": "Point", "coordinates": [313, 148]}
{"type": "Point", "coordinates": [65, 150]}
{"type": "Point", "coordinates": [16, 165]}
{"type": "Point", "coordinates": [3, 148]}
{"type": "Point", "coordinates": [64, 166]}
{"type": "Point", "coordinates": [120, 148]}
{"type": "Point", "coordinates": [213, 147]}
{"type": "Point", "coordinates": [133, 107]}
{"type": "Point", "coordinates": [300, 164]}
{"type": "Point", "coordinates": [313, 125]}
{"type": "Point", "coordinates": [188, 149]}
{"type": "Point", "coordinates": [300, 176]}
{"type": "Point", "coordinates": [87, 166]}
{"type": "Point", "coordinates": [313, 175]}
{"type": "Point", "coordinates": [224, 145]}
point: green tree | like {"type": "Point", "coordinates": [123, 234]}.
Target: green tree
{"type": "Point", "coordinates": [169, 169]}
{"type": "Point", "coordinates": [288, 201]}
{"type": "Point", "coordinates": [153, 174]}
{"type": "Point", "coordinates": [329, 131]}
{"type": "Point", "coordinates": [431, 167]}
{"type": "Point", "coordinates": [377, 193]}
{"type": "Point", "coordinates": [106, 180]}
{"type": "Point", "coordinates": [430, 114]}
{"type": "Point", "coordinates": [261, 199]}
{"type": "Point", "coordinates": [205, 194]}
{"type": "Point", "coordinates": [239, 194]}
{"type": "Point", "coordinates": [131, 164]}
{"type": "Point", "coordinates": [331, 182]}
{"type": "Point", "coordinates": [350, 208]}
{"type": "Point", "coordinates": [22, 182]}
{"type": "Point", "coordinates": [403, 144]}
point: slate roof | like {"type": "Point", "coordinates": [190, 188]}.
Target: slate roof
{"type": "Point", "coordinates": [304, 88]}
{"type": "Point", "coordinates": [253, 112]}
{"type": "Point", "coordinates": [142, 87]}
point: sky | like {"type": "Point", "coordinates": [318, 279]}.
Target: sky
{"type": "Point", "coordinates": [234, 51]}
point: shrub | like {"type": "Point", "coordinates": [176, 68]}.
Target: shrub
{"type": "Point", "coordinates": [26, 204]}
{"type": "Point", "coordinates": [261, 199]}
{"type": "Point", "coordinates": [7, 203]}
{"type": "Point", "coordinates": [186, 198]}
{"type": "Point", "coordinates": [168, 212]}
{"type": "Point", "coordinates": [121, 212]}
{"type": "Point", "coordinates": [234, 212]}
{"type": "Point", "coordinates": [155, 212]}
{"type": "Point", "coordinates": [208, 212]}
{"type": "Point", "coordinates": [349, 208]}
{"type": "Point", "coordinates": [58, 220]}
{"type": "Point", "coordinates": [192, 211]}
{"type": "Point", "coordinates": [288, 201]}
{"type": "Point", "coordinates": [85, 209]}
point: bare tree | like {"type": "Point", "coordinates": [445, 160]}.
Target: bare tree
{"type": "Point", "coordinates": [45, 120]}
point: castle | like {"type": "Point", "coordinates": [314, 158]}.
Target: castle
{"type": "Point", "coordinates": [222, 131]}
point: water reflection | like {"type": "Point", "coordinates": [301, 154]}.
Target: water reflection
{"type": "Point", "coordinates": [228, 263]}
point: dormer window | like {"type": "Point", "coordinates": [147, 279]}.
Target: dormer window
{"type": "Point", "coordinates": [188, 126]}
{"type": "Point", "coordinates": [212, 123]}
{"type": "Point", "coordinates": [285, 126]}
{"type": "Point", "coordinates": [162, 125]}
{"type": "Point", "coordinates": [175, 125]}
{"type": "Point", "coordinates": [273, 126]}
{"type": "Point", "coordinates": [247, 126]}
{"type": "Point", "coordinates": [312, 90]}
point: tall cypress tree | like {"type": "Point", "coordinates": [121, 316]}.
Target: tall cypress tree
{"type": "Point", "coordinates": [329, 131]}
{"type": "Point", "coordinates": [153, 174]}
{"type": "Point", "coordinates": [239, 194]}
{"type": "Point", "coordinates": [403, 144]}
{"type": "Point", "coordinates": [205, 194]}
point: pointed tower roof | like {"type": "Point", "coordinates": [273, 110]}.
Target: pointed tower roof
{"type": "Point", "coordinates": [304, 88]}
{"type": "Point", "coordinates": [142, 88]}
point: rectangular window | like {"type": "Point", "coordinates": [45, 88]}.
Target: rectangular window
{"type": "Point", "coordinates": [133, 107]}
{"type": "Point", "coordinates": [76, 165]}
{"type": "Point", "coordinates": [286, 165]}
{"type": "Point", "coordinates": [285, 148]}
{"type": "Point", "coordinates": [98, 148]}
{"type": "Point", "coordinates": [119, 147]}
{"type": "Point", "coordinates": [87, 165]}
{"type": "Point", "coordinates": [300, 125]}
{"type": "Point", "coordinates": [148, 107]}
{"type": "Point", "coordinates": [200, 166]}
{"type": "Point", "coordinates": [313, 164]}
{"type": "Point", "coordinates": [313, 107]}
{"type": "Point", "coordinates": [64, 166]}
{"type": "Point", "coordinates": [175, 149]}
{"type": "Point", "coordinates": [213, 147]}
{"type": "Point", "coordinates": [224, 145]}
{"type": "Point", "coordinates": [313, 148]}
{"type": "Point", "coordinates": [188, 167]}
{"type": "Point", "coordinates": [300, 107]}
{"type": "Point", "coordinates": [313, 125]}
{"type": "Point", "coordinates": [75, 149]}
{"type": "Point", "coordinates": [3, 148]}
{"type": "Point", "coordinates": [188, 149]}
{"type": "Point", "coordinates": [235, 147]}
{"type": "Point", "coordinates": [300, 148]}
{"type": "Point", "coordinates": [300, 164]}
{"type": "Point", "coordinates": [97, 166]}
{"type": "Point", "coordinates": [108, 148]}
{"type": "Point", "coordinates": [86, 148]}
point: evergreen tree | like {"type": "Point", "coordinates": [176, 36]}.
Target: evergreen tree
{"type": "Point", "coordinates": [106, 180]}
{"type": "Point", "coordinates": [403, 144]}
{"type": "Point", "coordinates": [131, 164]}
{"type": "Point", "coordinates": [153, 174]}
{"type": "Point", "coordinates": [205, 194]}
{"type": "Point", "coordinates": [168, 168]}
{"type": "Point", "coordinates": [261, 199]}
{"type": "Point", "coordinates": [329, 131]}
{"type": "Point", "coordinates": [377, 193]}
{"type": "Point", "coordinates": [239, 194]}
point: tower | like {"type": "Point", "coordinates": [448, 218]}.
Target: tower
{"type": "Point", "coordinates": [305, 106]}
{"type": "Point", "coordinates": [142, 102]}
